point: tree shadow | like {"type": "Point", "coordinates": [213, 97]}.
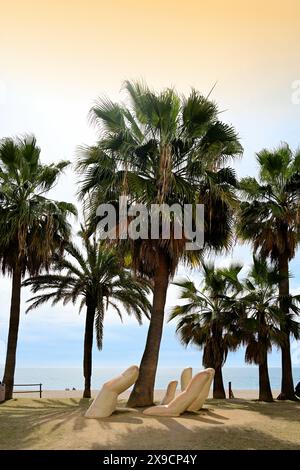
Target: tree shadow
{"type": "Point", "coordinates": [206, 438]}
{"type": "Point", "coordinates": [121, 415]}
{"type": "Point", "coordinates": [60, 423]}
{"type": "Point", "coordinates": [287, 410]}
{"type": "Point", "coordinates": [22, 419]}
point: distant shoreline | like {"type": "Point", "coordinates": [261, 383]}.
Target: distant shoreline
{"type": "Point", "coordinates": [244, 394]}
{"type": "Point", "coordinates": [243, 379]}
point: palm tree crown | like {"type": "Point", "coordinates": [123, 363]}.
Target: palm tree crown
{"type": "Point", "coordinates": [96, 278]}
{"type": "Point", "coordinates": [32, 226]}
{"type": "Point", "coordinates": [162, 149]}
{"type": "Point", "coordinates": [270, 214]}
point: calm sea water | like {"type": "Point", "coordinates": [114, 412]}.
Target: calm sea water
{"type": "Point", "coordinates": [242, 378]}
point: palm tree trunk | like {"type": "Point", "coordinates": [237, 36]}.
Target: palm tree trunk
{"type": "Point", "coordinates": [12, 341]}
{"type": "Point", "coordinates": [265, 392]}
{"type": "Point", "coordinates": [142, 393]}
{"type": "Point", "coordinates": [88, 347]}
{"type": "Point", "coordinates": [287, 384]}
{"type": "Point", "coordinates": [218, 387]}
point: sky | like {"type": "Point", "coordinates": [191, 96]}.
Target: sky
{"type": "Point", "coordinates": [58, 57]}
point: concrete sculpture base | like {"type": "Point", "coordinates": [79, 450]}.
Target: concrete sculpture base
{"type": "Point", "coordinates": [170, 393]}
{"type": "Point", "coordinates": [106, 401]}
{"type": "Point", "coordinates": [184, 400]}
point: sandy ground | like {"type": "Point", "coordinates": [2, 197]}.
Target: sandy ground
{"type": "Point", "coordinates": [248, 394]}
{"type": "Point", "coordinates": [59, 423]}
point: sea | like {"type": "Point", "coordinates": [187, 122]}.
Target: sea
{"type": "Point", "coordinates": [242, 378]}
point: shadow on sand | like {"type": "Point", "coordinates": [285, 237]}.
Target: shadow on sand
{"type": "Point", "coordinates": [60, 423]}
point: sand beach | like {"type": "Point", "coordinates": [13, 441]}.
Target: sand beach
{"type": "Point", "coordinates": [57, 422]}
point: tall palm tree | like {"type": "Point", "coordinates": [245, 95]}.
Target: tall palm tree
{"type": "Point", "coordinates": [270, 221]}
{"type": "Point", "coordinates": [208, 318]}
{"type": "Point", "coordinates": [264, 317]}
{"type": "Point", "coordinates": [32, 227]}
{"type": "Point", "coordinates": [98, 279]}
{"type": "Point", "coordinates": [161, 149]}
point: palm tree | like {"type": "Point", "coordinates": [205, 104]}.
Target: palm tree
{"type": "Point", "coordinates": [262, 325]}
{"type": "Point", "coordinates": [270, 221]}
{"type": "Point", "coordinates": [32, 227]}
{"type": "Point", "coordinates": [98, 279]}
{"type": "Point", "coordinates": [208, 318]}
{"type": "Point", "coordinates": [161, 149]}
